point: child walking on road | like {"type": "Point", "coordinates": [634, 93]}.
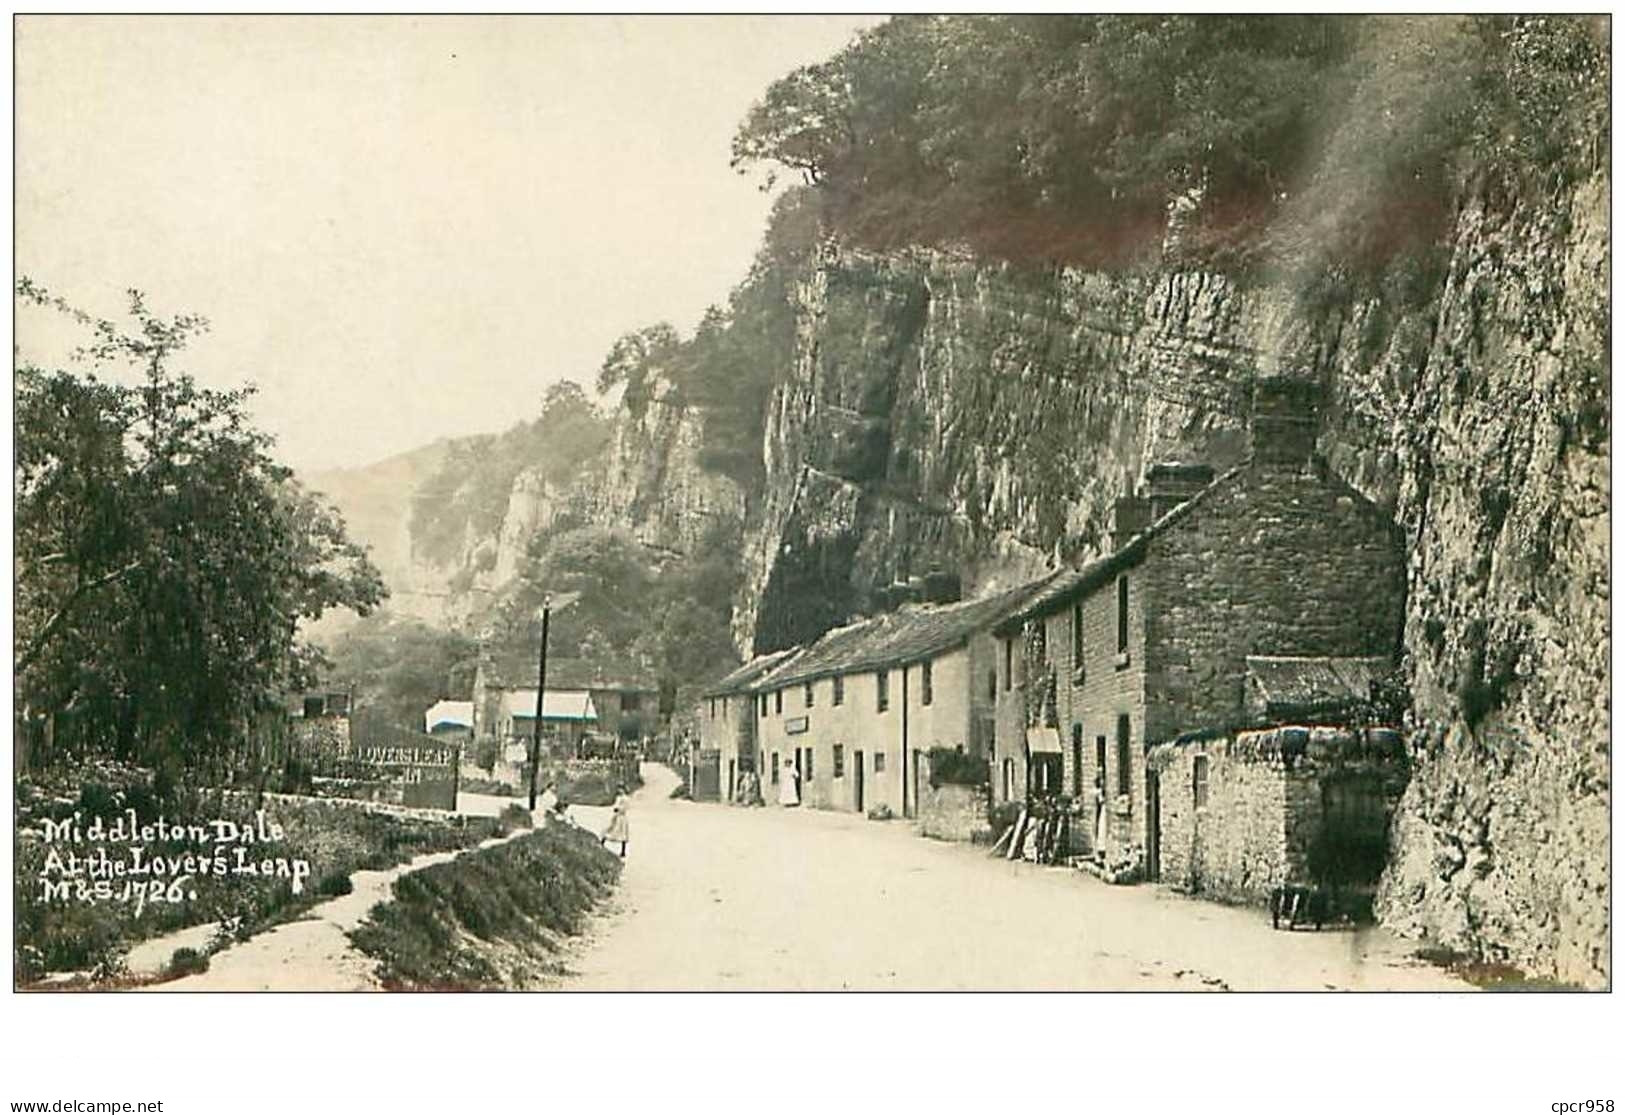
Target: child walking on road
{"type": "Point", "coordinates": [619, 827]}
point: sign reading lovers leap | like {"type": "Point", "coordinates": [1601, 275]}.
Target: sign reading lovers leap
{"type": "Point", "coordinates": [408, 774]}
{"type": "Point", "coordinates": [124, 860]}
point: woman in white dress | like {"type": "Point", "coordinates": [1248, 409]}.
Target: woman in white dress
{"type": "Point", "coordinates": [789, 790]}
{"type": "Point", "coordinates": [620, 828]}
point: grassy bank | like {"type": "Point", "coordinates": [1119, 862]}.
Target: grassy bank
{"type": "Point", "coordinates": [491, 919]}
{"type": "Point", "coordinates": [335, 837]}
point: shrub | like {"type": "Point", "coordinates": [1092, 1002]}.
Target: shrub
{"type": "Point", "coordinates": [515, 817]}
{"type": "Point", "coordinates": [881, 812]}
{"type": "Point", "coordinates": [952, 767]}
{"type": "Point", "coordinates": [186, 962]}
{"type": "Point", "coordinates": [335, 884]}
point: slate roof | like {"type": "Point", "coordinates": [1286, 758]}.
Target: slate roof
{"type": "Point", "coordinates": [910, 634]}
{"type": "Point", "coordinates": [1074, 583]}
{"type": "Point", "coordinates": [739, 680]}
{"type": "Point", "coordinates": [557, 704]}
{"type": "Point", "coordinates": [459, 713]}
{"type": "Point", "coordinates": [517, 668]}
{"type": "Point", "coordinates": [1299, 685]}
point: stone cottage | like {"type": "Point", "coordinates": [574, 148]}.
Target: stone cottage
{"type": "Point", "coordinates": [854, 712]}
{"type": "Point", "coordinates": [1303, 799]}
{"type": "Point", "coordinates": [1276, 556]}
{"type": "Point", "coordinates": [726, 720]}
{"type": "Point", "coordinates": [625, 703]}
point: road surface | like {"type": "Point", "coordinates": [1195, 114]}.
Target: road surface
{"type": "Point", "coordinates": [717, 897]}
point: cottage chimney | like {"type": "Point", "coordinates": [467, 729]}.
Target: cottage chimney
{"type": "Point", "coordinates": [1285, 420]}
{"type": "Point", "coordinates": [942, 587]}
{"type": "Point", "coordinates": [1130, 515]}
{"type": "Point", "coordinates": [1172, 483]}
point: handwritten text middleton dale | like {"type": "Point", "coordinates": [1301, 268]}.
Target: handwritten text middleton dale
{"type": "Point", "coordinates": [127, 861]}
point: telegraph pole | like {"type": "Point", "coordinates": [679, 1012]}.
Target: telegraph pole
{"type": "Point", "coordinates": [541, 693]}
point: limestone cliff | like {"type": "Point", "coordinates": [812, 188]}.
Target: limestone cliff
{"type": "Point", "coordinates": [944, 411]}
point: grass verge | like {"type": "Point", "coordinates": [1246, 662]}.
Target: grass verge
{"type": "Point", "coordinates": [491, 919]}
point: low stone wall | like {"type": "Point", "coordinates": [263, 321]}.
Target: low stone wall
{"type": "Point", "coordinates": [950, 812]}
{"type": "Point", "coordinates": [1264, 822]}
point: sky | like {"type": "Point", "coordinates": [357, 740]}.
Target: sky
{"type": "Point", "coordinates": [399, 228]}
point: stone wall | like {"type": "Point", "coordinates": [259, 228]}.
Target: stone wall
{"type": "Point", "coordinates": [1265, 809]}
{"type": "Point", "coordinates": [949, 812]}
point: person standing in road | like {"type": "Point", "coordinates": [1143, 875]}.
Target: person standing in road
{"type": "Point", "coordinates": [789, 785]}
{"type": "Point", "coordinates": [620, 827]}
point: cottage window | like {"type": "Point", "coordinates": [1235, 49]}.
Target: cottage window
{"type": "Point", "coordinates": [808, 773]}
{"type": "Point", "coordinates": [1199, 781]}
{"type": "Point", "coordinates": [1009, 773]}
{"type": "Point", "coordinates": [775, 767]}
{"type": "Point", "coordinates": [840, 690]}
{"type": "Point", "coordinates": [882, 691]}
{"type": "Point", "coordinates": [631, 702]}
{"type": "Point", "coordinates": [1077, 760]}
{"type": "Point", "coordinates": [314, 706]}
{"type": "Point", "coordinates": [992, 686]}
{"type": "Point", "coordinates": [338, 704]}
{"type": "Point", "coordinates": [712, 705]}
{"type": "Point", "coordinates": [778, 702]}
{"type": "Point", "coordinates": [880, 762]}
{"type": "Point", "coordinates": [1122, 614]}
{"type": "Point", "coordinates": [764, 704]}
{"type": "Point", "coordinates": [1041, 637]}
{"type": "Point", "coordinates": [925, 683]}
{"type": "Point", "coordinates": [840, 761]}
{"type": "Point", "coordinates": [1077, 636]}
{"type": "Point", "coordinates": [1100, 764]}
{"type": "Point", "coordinates": [1009, 662]}
{"type": "Point", "coordinates": [808, 695]}
{"type": "Point", "coordinates": [1123, 781]}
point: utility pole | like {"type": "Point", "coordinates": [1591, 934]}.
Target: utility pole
{"type": "Point", "coordinates": [541, 694]}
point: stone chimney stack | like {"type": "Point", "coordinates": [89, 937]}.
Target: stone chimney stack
{"type": "Point", "coordinates": [1130, 515]}
{"type": "Point", "coordinates": [1285, 420]}
{"type": "Point", "coordinates": [1172, 483]}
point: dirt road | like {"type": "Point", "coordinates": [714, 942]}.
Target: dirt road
{"type": "Point", "coordinates": [722, 898]}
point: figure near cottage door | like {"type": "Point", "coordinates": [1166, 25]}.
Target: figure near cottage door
{"type": "Point", "coordinates": [789, 785]}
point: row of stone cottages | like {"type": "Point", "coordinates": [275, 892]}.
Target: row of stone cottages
{"type": "Point", "coordinates": [1201, 694]}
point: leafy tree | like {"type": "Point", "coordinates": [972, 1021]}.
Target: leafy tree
{"type": "Point", "coordinates": [634, 361]}
{"type": "Point", "coordinates": [165, 559]}
{"type": "Point", "coordinates": [1066, 138]}
{"type": "Point", "coordinates": [397, 668]}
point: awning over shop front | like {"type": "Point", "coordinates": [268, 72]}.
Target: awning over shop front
{"type": "Point", "coordinates": [1044, 741]}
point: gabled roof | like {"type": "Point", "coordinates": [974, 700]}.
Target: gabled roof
{"type": "Point", "coordinates": [459, 713]}
{"type": "Point", "coordinates": [911, 634]}
{"type": "Point", "coordinates": [1295, 686]}
{"type": "Point", "coordinates": [1081, 581]}
{"type": "Point", "coordinates": [517, 667]}
{"type": "Point", "coordinates": [558, 704]}
{"type": "Point", "coordinates": [739, 680]}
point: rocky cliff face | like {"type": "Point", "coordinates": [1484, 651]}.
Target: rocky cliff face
{"type": "Point", "coordinates": [649, 481]}
{"type": "Point", "coordinates": [944, 412]}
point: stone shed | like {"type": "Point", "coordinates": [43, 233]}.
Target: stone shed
{"type": "Point", "coordinates": [1242, 813]}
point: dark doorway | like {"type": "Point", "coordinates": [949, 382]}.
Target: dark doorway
{"type": "Point", "coordinates": [731, 766]}
{"type": "Point", "coordinates": [857, 784]}
{"type": "Point", "coordinates": [1153, 827]}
